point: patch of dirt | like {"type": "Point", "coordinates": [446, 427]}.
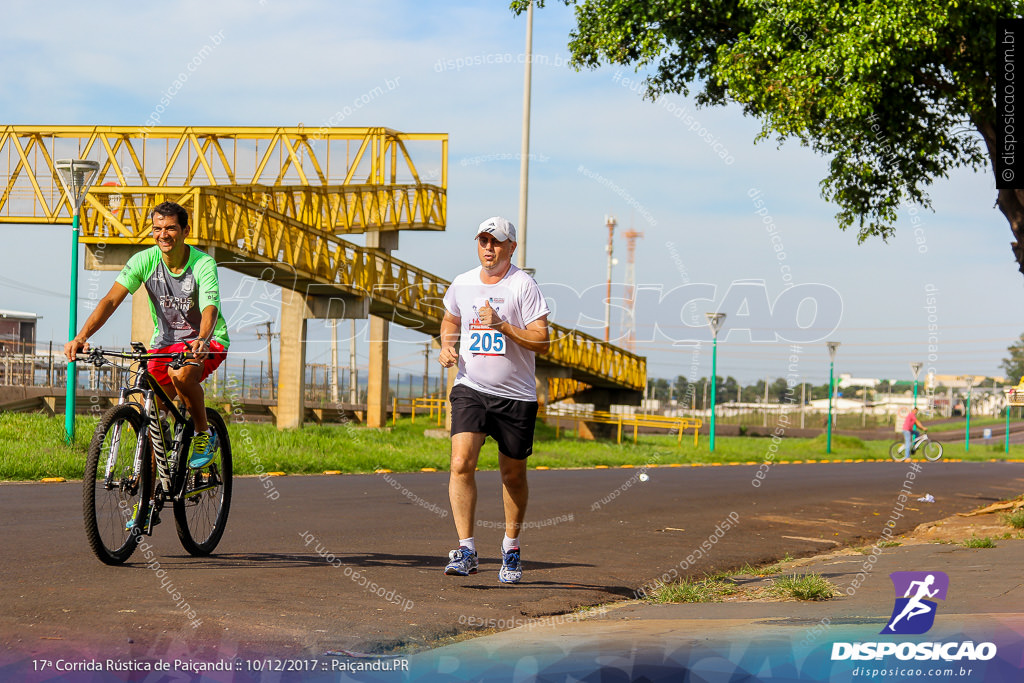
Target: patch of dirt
{"type": "Point", "coordinates": [987, 522]}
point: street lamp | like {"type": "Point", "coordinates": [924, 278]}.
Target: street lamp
{"type": "Point", "coordinates": [524, 157]}
{"type": "Point", "coordinates": [715, 321]}
{"type": "Point", "coordinates": [969, 380]}
{"type": "Point", "coordinates": [76, 176]}
{"type": "Point", "coordinates": [832, 346]}
{"type": "Point", "coordinates": [916, 369]}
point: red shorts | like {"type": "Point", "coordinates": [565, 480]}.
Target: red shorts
{"type": "Point", "coordinates": [214, 357]}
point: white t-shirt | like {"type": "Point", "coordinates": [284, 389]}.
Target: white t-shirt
{"type": "Point", "coordinates": [488, 362]}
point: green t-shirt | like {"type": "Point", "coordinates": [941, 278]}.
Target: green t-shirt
{"type": "Point", "coordinates": [176, 301]}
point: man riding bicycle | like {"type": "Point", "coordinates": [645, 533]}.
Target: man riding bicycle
{"type": "Point", "coordinates": [184, 300]}
{"type": "Point", "coordinates": [909, 433]}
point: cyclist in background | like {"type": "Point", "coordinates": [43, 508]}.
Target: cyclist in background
{"type": "Point", "coordinates": [908, 430]}
{"type": "Point", "coordinates": [184, 300]}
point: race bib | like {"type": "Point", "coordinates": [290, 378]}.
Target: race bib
{"type": "Point", "coordinates": [480, 340]}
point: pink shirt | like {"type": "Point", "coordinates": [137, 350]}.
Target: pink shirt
{"type": "Point", "coordinates": [908, 423]}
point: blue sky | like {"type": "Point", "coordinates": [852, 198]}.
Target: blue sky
{"type": "Point", "coordinates": [597, 148]}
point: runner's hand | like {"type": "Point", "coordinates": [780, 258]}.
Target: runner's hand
{"type": "Point", "coordinates": [488, 316]}
{"type": "Point", "coordinates": [448, 357]}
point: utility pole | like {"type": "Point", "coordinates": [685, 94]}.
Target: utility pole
{"type": "Point", "coordinates": [426, 367]}
{"type": "Point", "coordinates": [270, 355]}
{"type": "Point", "coordinates": [803, 402]}
{"type": "Point", "coordinates": [629, 312]}
{"type": "Point", "coordinates": [353, 373]}
{"type": "Point", "coordinates": [334, 360]}
{"type": "Point", "coordinates": [765, 423]}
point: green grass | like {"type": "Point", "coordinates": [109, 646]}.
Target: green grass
{"type": "Point", "coordinates": [975, 542]}
{"type": "Point", "coordinates": [33, 447]}
{"type": "Point", "coordinates": [803, 587]}
{"type": "Point", "coordinates": [961, 425]}
{"type": "Point", "coordinates": [1015, 519]}
{"type": "Point", "coordinates": [749, 570]}
{"type": "Point", "coordinates": [709, 589]}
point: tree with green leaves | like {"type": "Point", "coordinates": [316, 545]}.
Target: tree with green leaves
{"type": "Point", "coordinates": [896, 94]}
{"type": "Point", "coordinates": [1014, 365]}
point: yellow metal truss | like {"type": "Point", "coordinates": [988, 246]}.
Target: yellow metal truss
{"type": "Point", "coordinates": [343, 180]}
{"type": "Point", "coordinates": [275, 200]}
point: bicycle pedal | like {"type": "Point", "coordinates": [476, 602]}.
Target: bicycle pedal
{"type": "Point", "coordinates": [152, 519]}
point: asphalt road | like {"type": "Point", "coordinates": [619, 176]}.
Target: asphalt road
{"type": "Point", "coordinates": [291, 576]}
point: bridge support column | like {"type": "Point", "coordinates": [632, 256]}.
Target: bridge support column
{"type": "Point", "coordinates": [114, 257]}
{"type": "Point", "coordinates": [377, 381]}
{"type": "Point", "coordinates": [449, 381]}
{"type": "Point", "coordinates": [603, 399]}
{"type": "Point", "coordinates": [142, 318]}
{"type": "Point", "coordinates": [297, 307]}
{"type": "Point", "coordinates": [291, 369]}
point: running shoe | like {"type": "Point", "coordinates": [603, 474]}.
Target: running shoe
{"type": "Point", "coordinates": [204, 445]}
{"type": "Point", "coordinates": [150, 523]}
{"type": "Point", "coordinates": [511, 567]}
{"type": "Point", "coordinates": [462, 562]}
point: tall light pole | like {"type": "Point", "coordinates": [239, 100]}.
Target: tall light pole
{"type": "Point", "coordinates": [969, 379]}
{"type": "Point", "coordinates": [76, 176]}
{"type": "Point", "coordinates": [832, 346]}
{"type": "Point", "coordinates": [715, 321]}
{"type": "Point", "coordinates": [524, 156]}
{"type": "Point", "coordinates": [916, 369]}
{"type": "Point", "coordinates": [609, 221]}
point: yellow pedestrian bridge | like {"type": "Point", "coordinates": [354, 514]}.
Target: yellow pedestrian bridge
{"type": "Point", "coordinates": [276, 203]}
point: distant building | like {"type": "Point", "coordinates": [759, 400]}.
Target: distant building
{"type": "Point", "coordinates": [17, 332]}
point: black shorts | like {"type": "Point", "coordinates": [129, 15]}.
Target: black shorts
{"type": "Point", "coordinates": [506, 420]}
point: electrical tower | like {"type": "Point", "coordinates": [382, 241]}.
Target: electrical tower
{"type": "Point", "coordinates": [629, 312]}
{"type": "Point", "coordinates": [609, 221]}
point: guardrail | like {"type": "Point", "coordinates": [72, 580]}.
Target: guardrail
{"type": "Point", "coordinates": [434, 406]}
{"type": "Point", "coordinates": [680, 424]}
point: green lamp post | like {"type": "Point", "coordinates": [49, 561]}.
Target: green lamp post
{"type": "Point", "coordinates": [969, 380]}
{"type": "Point", "coordinates": [916, 369]}
{"type": "Point", "coordinates": [832, 346]}
{"type": "Point", "coordinates": [715, 321]}
{"type": "Point", "coordinates": [76, 176]}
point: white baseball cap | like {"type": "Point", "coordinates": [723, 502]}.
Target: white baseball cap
{"type": "Point", "coordinates": [500, 228]}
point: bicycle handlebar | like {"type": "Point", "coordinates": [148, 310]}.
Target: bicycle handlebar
{"type": "Point", "coordinates": [97, 356]}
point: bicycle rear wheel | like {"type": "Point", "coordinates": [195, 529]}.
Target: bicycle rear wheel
{"type": "Point", "coordinates": [933, 450]}
{"type": "Point", "coordinates": [113, 492]}
{"type": "Point", "coordinates": [896, 451]}
{"type": "Point", "coordinates": [202, 510]}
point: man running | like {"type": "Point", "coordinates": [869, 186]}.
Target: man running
{"type": "Point", "coordinates": [499, 318]}
{"type": "Point", "coordinates": [184, 299]}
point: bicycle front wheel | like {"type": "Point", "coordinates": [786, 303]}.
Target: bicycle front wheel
{"type": "Point", "coordinates": [115, 492]}
{"type": "Point", "coordinates": [896, 451]}
{"type": "Point", "coordinates": [933, 450]}
{"type": "Point", "coordinates": [201, 511]}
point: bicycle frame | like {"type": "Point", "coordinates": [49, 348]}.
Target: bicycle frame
{"type": "Point", "coordinates": [919, 441]}
{"type": "Point", "coordinates": [170, 470]}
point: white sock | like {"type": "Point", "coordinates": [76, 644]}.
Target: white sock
{"type": "Point", "coordinates": [468, 543]}
{"type": "Point", "coordinates": [509, 543]}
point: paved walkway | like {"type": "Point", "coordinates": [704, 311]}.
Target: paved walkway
{"type": "Point", "coordinates": [772, 641]}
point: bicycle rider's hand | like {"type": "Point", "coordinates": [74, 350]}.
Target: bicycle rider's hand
{"type": "Point", "coordinates": [199, 348]}
{"type": "Point", "coordinates": [72, 348]}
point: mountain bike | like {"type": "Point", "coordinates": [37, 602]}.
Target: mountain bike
{"type": "Point", "coordinates": [932, 449]}
{"type": "Point", "coordinates": [138, 463]}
